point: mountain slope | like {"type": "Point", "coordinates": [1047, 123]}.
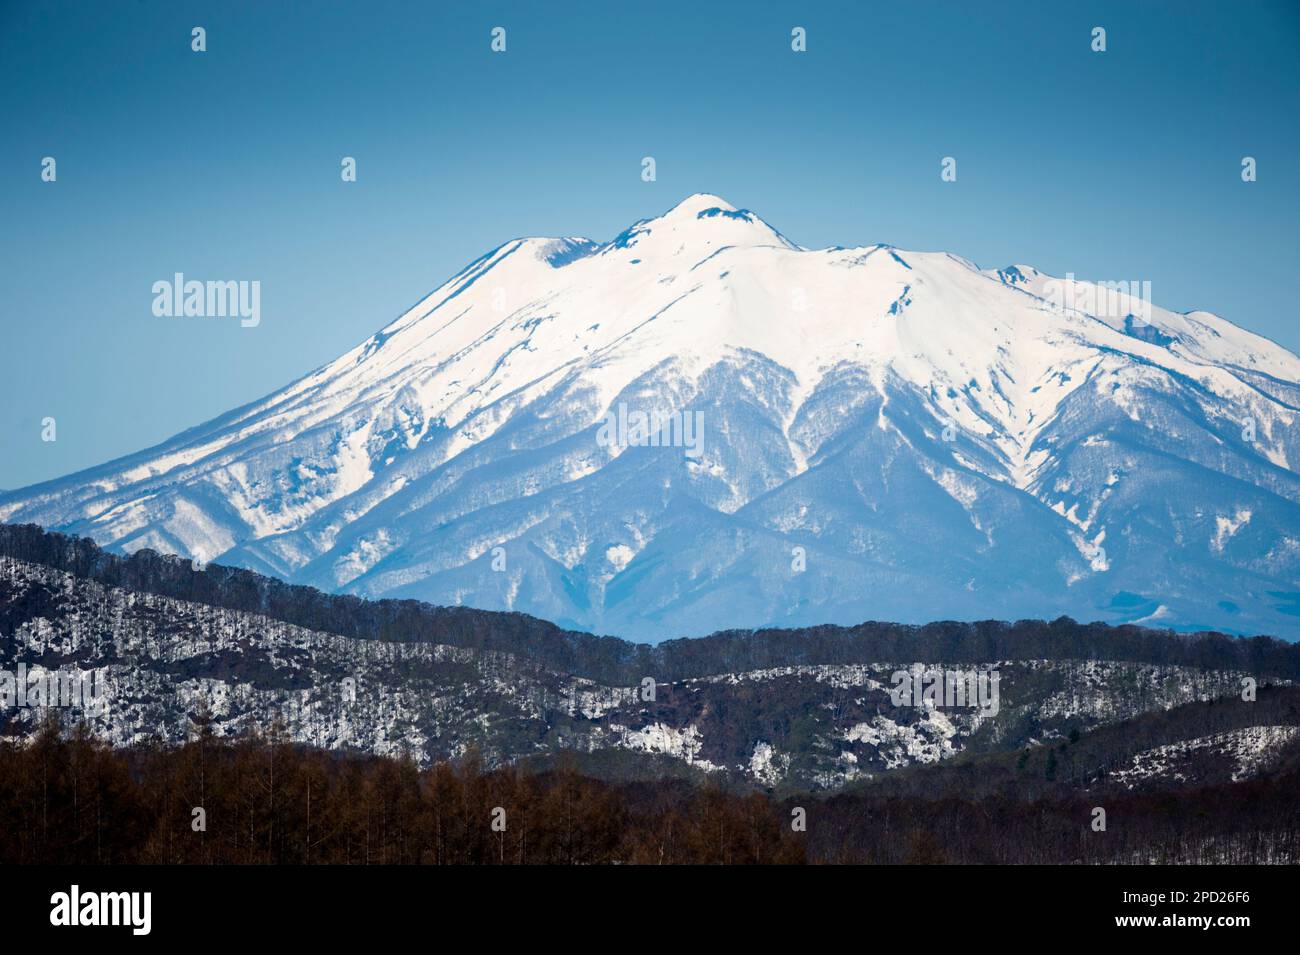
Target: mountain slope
{"type": "Point", "coordinates": [883, 434]}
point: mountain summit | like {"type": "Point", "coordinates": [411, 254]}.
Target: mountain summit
{"type": "Point", "coordinates": [877, 434]}
{"type": "Point", "coordinates": [702, 222]}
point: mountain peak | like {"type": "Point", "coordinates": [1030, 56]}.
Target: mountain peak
{"type": "Point", "coordinates": [700, 221]}
{"type": "Point", "coordinates": [698, 203]}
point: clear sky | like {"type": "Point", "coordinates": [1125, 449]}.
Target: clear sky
{"type": "Point", "coordinates": [225, 164]}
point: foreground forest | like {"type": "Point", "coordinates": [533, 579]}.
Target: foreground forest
{"type": "Point", "coordinates": [69, 799]}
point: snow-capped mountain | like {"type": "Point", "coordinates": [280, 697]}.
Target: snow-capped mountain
{"type": "Point", "coordinates": [851, 433]}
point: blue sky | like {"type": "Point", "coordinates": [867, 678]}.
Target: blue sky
{"type": "Point", "coordinates": [225, 164]}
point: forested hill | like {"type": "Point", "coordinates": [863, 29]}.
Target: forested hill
{"type": "Point", "coordinates": [786, 710]}
{"type": "Point", "coordinates": [611, 659]}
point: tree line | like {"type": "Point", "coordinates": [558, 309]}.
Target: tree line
{"type": "Point", "coordinates": [615, 661]}
{"type": "Point", "coordinates": [67, 798]}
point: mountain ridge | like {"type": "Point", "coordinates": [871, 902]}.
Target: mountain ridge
{"type": "Point", "coordinates": [233, 588]}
